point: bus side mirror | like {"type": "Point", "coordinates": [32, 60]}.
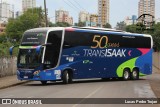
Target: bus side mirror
{"type": "Point", "coordinates": [38, 49]}
{"type": "Point", "coordinates": [11, 49]}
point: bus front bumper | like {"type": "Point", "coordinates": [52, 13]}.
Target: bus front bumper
{"type": "Point", "coordinates": [39, 76]}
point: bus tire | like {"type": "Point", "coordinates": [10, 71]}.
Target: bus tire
{"type": "Point", "coordinates": [135, 74]}
{"type": "Point", "coordinates": [66, 77]}
{"type": "Point", "coordinates": [44, 82]}
{"type": "Point", "coordinates": [126, 74]}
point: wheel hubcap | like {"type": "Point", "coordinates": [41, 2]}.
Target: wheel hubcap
{"type": "Point", "coordinates": [67, 76]}
{"type": "Point", "coordinates": [126, 75]}
{"type": "Point", "coordinates": [134, 73]}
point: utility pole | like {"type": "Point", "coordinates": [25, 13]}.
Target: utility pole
{"type": "Point", "coordinates": [90, 21]}
{"type": "Point", "coordinates": [45, 13]}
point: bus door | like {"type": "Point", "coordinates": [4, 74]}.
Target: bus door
{"type": "Point", "coordinates": [52, 51]}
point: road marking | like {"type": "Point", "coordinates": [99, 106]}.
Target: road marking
{"type": "Point", "coordinates": [88, 96]}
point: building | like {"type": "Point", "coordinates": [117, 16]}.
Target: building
{"type": "Point", "coordinates": [103, 12]}
{"type": "Point", "coordinates": [6, 12]}
{"type": "Point", "coordinates": [146, 7]}
{"type": "Point", "coordinates": [2, 26]}
{"type": "Point", "coordinates": [94, 18]}
{"type": "Point", "coordinates": [157, 21]}
{"type": "Point", "coordinates": [26, 4]}
{"type": "Point", "coordinates": [63, 16]}
{"type": "Point", "coordinates": [131, 21]}
{"type": "Point", "coordinates": [18, 13]}
{"type": "Point", "coordinates": [92, 24]}
{"type": "Point", "coordinates": [84, 16]}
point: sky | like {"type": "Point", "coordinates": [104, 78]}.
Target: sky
{"type": "Point", "coordinates": [119, 9]}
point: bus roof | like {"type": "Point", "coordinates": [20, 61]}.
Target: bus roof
{"type": "Point", "coordinates": [113, 31]}
{"type": "Point", "coordinates": [46, 29]}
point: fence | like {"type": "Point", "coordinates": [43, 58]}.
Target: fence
{"type": "Point", "coordinates": [8, 66]}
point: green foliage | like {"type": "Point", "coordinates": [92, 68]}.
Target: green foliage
{"type": "Point", "coordinates": [4, 49]}
{"type": "Point", "coordinates": [156, 36]}
{"type": "Point", "coordinates": [3, 38]}
{"type": "Point", "coordinates": [154, 31]}
{"type": "Point", "coordinates": [121, 26]}
{"type": "Point", "coordinates": [15, 28]}
{"type": "Point", "coordinates": [133, 29]}
{"type": "Point", "coordinates": [81, 24]}
{"type": "Point", "coordinates": [107, 25]}
{"type": "Point", "coordinates": [51, 24]}
{"type": "Point", "coordinates": [62, 24]}
{"type": "Point", "coordinates": [32, 18]}
{"type": "Point", "coordinates": [59, 24]}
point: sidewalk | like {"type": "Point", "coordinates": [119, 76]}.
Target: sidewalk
{"type": "Point", "coordinates": [154, 81]}
{"type": "Point", "coordinates": [10, 81]}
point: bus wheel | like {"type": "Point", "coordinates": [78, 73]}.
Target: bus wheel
{"type": "Point", "coordinates": [135, 74]}
{"type": "Point", "coordinates": [126, 74]}
{"type": "Point", "coordinates": [66, 77]}
{"type": "Point", "coordinates": [44, 82]}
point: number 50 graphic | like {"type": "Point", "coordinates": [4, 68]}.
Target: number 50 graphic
{"type": "Point", "coordinates": [98, 40]}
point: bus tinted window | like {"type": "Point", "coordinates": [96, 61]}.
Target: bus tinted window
{"type": "Point", "coordinates": [89, 39]}
{"type": "Point", "coordinates": [52, 52]}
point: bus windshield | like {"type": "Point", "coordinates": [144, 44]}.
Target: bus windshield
{"type": "Point", "coordinates": [33, 38]}
{"type": "Point", "coordinates": [28, 58]}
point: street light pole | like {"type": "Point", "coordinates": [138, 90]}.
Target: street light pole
{"type": "Point", "coordinates": [45, 13]}
{"type": "Point", "coordinates": [90, 20]}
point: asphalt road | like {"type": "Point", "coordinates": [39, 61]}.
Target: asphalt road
{"type": "Point", "coordinates": [82, 89]}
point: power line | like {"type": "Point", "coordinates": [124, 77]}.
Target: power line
{"type": "Point", "coordinates": [73, 5]}
{"type": "Point", "coordinates": [70, 5]}
{"type": "Point", "coordinates": [79, 5]}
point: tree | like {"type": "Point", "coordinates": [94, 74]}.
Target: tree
{"type": "Point", "coordinates": [132, 29]}
{"type": "Point", "coordinates": [32, 18]}
{"type": "Point", "coordinates": [154, 32]}
{"type": "Point", "coordinates": [121, 26]}
{"type": "Point", "coordinates": [3, 38]}
{"type": "Point", "coordinates": [62, 24]}
{"type": "Point", "coordinates": [107, 25]}
{"type": "Point", "coordinates": [81, 24]}
{"type": "Point", "coordinates": [156, 36]}
{"type": "Point", "coordinates": [51, 24]}
{"type": "Point", "coordinates": [75, 24]}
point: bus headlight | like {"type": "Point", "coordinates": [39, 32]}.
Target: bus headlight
{"type": "Point", "coordinates": [57, 72]}
{"type": "Point", "coordinates": [36, 72]}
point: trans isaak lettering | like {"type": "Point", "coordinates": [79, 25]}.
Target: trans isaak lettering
{"type": "Point", "coordinates": [104, 53]}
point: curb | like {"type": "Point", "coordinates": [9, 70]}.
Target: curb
{"type": "Point", "coordinates": [14, 84]}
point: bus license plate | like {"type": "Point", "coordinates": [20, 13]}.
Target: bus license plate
{"type": "Point", "coordinates": [25, 77]}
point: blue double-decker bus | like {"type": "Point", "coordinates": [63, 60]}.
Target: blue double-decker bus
{"type": "Point", "coordinates": [58, 53]}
